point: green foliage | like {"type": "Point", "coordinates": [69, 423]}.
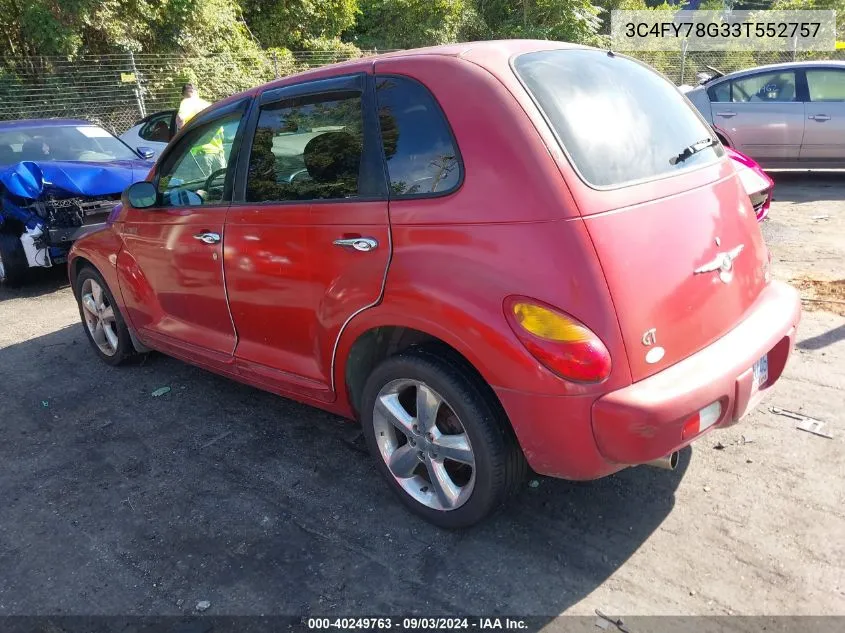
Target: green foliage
{"type": "Point", "coordinates": [409, 23]}
{"type": "Point", "coordinates": [332, 48]}
{"type": "Point", "coordinates": [293, 23]}
{"type": "Point", "coordinates": [565, 20]}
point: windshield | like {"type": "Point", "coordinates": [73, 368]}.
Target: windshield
{"type": "Point", "coordinates": [618, 120]}
{"type": "Point", "coordinates": [84, 143]}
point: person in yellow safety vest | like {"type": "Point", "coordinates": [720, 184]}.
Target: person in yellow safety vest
{"type": "Point", "coordinates": [190, 105]}
{"type": "Point", "coordinates": [211, 155]}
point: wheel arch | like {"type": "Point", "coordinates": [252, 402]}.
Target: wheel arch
{"type": "Point", "coordinates": [363, 349]}
{"type": "Point", "coordinates": [722, 136]}
{"type": "Point", "coordinates": [76, 265]}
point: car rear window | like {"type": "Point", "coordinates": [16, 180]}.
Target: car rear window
{"type": "Point", "coordinates": [617, 120]}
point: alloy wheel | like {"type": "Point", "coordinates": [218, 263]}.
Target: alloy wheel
{"type": "Point", "coordinates": [99, 317]}
{"type": "Point", "coordinates": [424, 444]}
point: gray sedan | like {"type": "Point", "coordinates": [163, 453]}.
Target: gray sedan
{"type": "Point", "coordinates": [784, 115]}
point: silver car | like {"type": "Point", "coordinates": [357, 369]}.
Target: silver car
{"type": "Point", "coordinates": [783, 115]}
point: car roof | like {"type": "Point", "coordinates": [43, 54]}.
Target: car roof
{"type": "Point", "coordinates": [22, 123]}
{"type": "Point", "coordinates": [492, 55]}
{"type": "Point", "coordinates": [782, 66]}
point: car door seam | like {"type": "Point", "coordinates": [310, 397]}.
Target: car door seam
{"type": "Point", "coordinates": [225, 285]}
{"type": "Point", "coordinates": [368, 306]}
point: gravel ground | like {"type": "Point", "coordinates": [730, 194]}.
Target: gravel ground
{"type": "Point", "coordinates": [116, 502]}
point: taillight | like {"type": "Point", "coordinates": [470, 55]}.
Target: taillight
{"type": "Point", "coordinates": [560, 342]}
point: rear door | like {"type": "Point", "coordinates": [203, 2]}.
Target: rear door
{"type": "Point", "coordinates": [762, 115]}
{"type": "Point", "coordinates": [673, 229]}
{"type": "Point", "coordinates": [308, 244]}
{"type": "Point", "coordinates": [824, 134]}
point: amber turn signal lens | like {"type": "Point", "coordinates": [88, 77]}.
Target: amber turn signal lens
{"type": "Point", "coordinates": [560, 342]}
{"type": "Point", "coordinates": [549, 325]}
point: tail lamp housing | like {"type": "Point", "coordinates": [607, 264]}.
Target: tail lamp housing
{"type": "Point", "coordinates": [559, 341]}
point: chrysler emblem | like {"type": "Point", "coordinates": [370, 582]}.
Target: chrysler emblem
{"type": "Point", "coordinates": [723, 262]}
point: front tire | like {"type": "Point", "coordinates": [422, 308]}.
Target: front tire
{"type": "Point", "coordinates": [101, 318]}
{"type": "Point", "coordinates": [13, 264]}
{"type": "Point", "coordinates": [440, 438]}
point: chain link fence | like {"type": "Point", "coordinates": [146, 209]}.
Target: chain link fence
{"type": "Point", "coordinates": [116, 91]}
{"type": "Point", "coordinates": [683, 68]}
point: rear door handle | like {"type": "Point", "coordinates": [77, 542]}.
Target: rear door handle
{"type": "Point", "coordinates": [208, 237]}
{"type": "Point", "coordinates": [362, 244]}
{"type": "Point", "coordinates": [819, 117]}
{"type": "Point", "coordinates": [726, 115]}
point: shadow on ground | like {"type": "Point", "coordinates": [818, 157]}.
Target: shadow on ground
{"type": "Point", "coordinates": [808, 186]}
{"type": "Point", "coordinates": [39, 281]}
{"type": "Point", "coordinates": [823, 340]}
{"type": "Point", "coordinates": [116, 502]}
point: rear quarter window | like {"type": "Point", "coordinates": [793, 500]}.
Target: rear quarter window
{"type": "Point", "coordinates": [422, 157]}
{"type": "Point", "coordinates": [618, 120]}
{"type": "Point", "coordinates": [720, 93]}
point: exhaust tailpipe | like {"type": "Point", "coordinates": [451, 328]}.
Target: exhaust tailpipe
{"type": "Point", "coordinates": [668, 462]}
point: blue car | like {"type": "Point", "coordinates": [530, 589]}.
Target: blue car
{"type": "Point", "coordinates": [59, 180]}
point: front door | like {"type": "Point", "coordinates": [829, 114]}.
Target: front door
{"type": "Point", "coordinates": [171, 271]}
{"type": "Point", "coordinates": [824, 131]}
{"type": "Point", "coordinates": [308, 245]}
{"type": "Point", "coordinates": [763, 117]}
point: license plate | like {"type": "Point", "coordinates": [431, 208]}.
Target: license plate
{"type": "Point", "coordinates": [761, 372]}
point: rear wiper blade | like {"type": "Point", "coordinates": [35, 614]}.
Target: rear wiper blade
{"type": "Point", "coordinates": [696, 147]}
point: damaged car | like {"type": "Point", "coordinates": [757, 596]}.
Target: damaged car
{"type": "Point", "coordinates": [59, 180]}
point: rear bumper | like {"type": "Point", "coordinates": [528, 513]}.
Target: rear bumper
{"type": "Point", "coordinates": [582, 437]}
{"type": "Point", "coordinates": [645, 420]}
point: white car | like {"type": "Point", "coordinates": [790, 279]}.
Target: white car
{"type": "Point", "coordinates": [153, 131]}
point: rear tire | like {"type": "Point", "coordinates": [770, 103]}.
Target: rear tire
{"type": "Point", "coordinates": [440, 438]}
{"type": "Point", "coordinates": [101, 318]}
{"type": "Point", "coordinates": [13, 264]}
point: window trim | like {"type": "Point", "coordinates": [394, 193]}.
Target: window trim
{"type": "Point", "coordinates": [458, 155]}
{"type": "Point", "coordinates": [372, 171]}
{"type": "Point", "coordinates": [238, 107]}
{"type": "Point", "coordinates": [687, 169]}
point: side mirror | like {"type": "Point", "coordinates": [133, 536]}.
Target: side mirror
{"type": "Point", "coordinates": [141, 195]}
{"type": "Point", "coordinates": [146, 152]}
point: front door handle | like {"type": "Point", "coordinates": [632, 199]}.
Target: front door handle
{"type": "Point", "coordinates": [819, 117]}
{"type": "Point", "coordinates": [726, 115]}
{"type": "Point", "coordinates": [363, 244]}
{"type": "Point", "coordinates": [208, 237]}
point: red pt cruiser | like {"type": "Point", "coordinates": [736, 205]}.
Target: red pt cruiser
{"type": "Point", "coordinates": [495, 256]}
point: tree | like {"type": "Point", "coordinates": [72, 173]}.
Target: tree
{"type": "Point", "coordinates": [408, 23]}
{"type": "Point", "coordinates": [565, 20]}
{"type": "Point", "coordinates": [293, 23]}
{"type": "Point", "coordinates": [76, 27]}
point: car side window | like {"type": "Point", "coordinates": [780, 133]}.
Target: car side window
{"type": "Point", "coordinates": [421, 155]}
{"type": "Point", "coordinates": [773, 87]}
{"type": "Point", "coordinates": [826, 85]}
{"type": "Point", "coordinates": [157, 129]}
{"type": "Point", "coordinates": [720, 93]}
{"type": "Point", "coordinates": [307, 148]}
{"type": "Point", "coordinates": [195, 172]}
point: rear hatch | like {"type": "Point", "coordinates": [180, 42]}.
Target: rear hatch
{"type": "Point", "coordinates": [674, 231]}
